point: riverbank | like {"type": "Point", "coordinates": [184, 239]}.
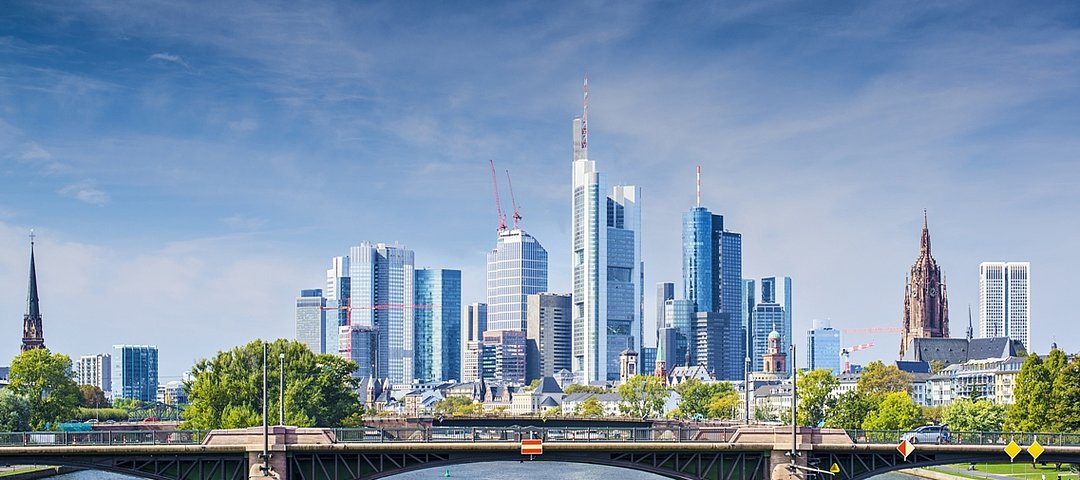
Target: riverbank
{"type": "Point", "coordinates": [35, 473]}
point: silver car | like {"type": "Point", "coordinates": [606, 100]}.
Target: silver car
{"type": "Point", "coordinates": [928, 434]}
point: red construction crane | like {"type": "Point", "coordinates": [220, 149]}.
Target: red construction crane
{"type": "Point", "coordinates": [498, 203]}
{"type": "Point", "coordinates": [858, 331]}
{"type": "Point", "coordinates": [378, 306]}
{"type": "Point", "coordinates": [513, 200]}
{"type": "Point", "coordinates": [845, 354]}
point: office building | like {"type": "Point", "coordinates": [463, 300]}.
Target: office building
{"type": "Point", "coordinates": [135, 372]}
{"type": "Point", "coordinates": [926, 302]}
{"type": "Point", "coordinates": [516, 268]}
{"type": "Point", "coordinates": [664, 291]}
{"type": "Point", "coordinates": [438, 325]}
{"type": "Point", "coordinates": [606, 264]}
{"type": "Point", "coordinates": [1004, 311]}
{"type": "Point", "coordinates": [823, 347]}
{"type": "Point", "coordinates": [475, 323]}
{"type": "Point", "coordinates": [773, 312]}
{"type": "Point", "coordinates": [337, 294]}
{"type": "Point", "coordinates": [381, 296]}
{"type": "Point", "coordinates": [359, 343]}
{"type": "Point", "coordinates": [648, 360]}
{"type": "Point", "coordinates": [96, 370]}
{"type": "Point", "coordinates": [311, 322]}
{"type": "Point", "coordinates": [504, 350]}
{"type": "Point", "coordinates": [680, 317]}
{"type": "Point", "coordinates": [547, 335]}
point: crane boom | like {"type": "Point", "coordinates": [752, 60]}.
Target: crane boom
{"type": "Point", "coordinates": [513, 200]}
{"type": "Point", "coordinates": [858, 331]}
{"type": "Point", "coordinates": [498, 203]}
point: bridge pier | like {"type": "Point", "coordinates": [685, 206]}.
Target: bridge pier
{"type": "Point", "coordinates": [277, 441]}
{"type": "Point", "coordinates": [805, 440]}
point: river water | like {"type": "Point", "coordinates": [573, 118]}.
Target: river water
{"type": "Point", "coordinates": [492, 470]}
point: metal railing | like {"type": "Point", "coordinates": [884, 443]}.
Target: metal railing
{"type": "Point", "coordinates": [141, 437]}
{"type": "Point", "coordinates": [970, 438]}
{"type": "Point", "coordinates": [516, 434]}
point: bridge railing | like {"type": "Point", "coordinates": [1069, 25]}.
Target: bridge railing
{"type": "Point", "coordinates": [141, 437]}
{"type": "Point", "coordinates": [971, 438]}
{"type": "Point", "coordinates": [516, 434]}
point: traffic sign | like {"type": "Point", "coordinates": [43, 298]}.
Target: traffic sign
{"type": "Point", "coordinates": [532, 446]}
{"type": "Point", "coordinates": [1012, 449]}
{"type": "Point", "coordinates": [905, 448]}
{"type": "Point", "coordinates": [835, 468]}
{"type": "Point", "coordinates": [1035, 450]}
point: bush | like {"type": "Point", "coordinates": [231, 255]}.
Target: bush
{"type": "Point", "coordinates": [102, 414]}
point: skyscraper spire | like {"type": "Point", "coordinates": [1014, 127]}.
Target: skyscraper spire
{"type": "Point", "coordinates": [698, 202]}
{"type": "Point", "coordinates": [32, 334]}
{"type": "Point", "coordinates": [585, 119]}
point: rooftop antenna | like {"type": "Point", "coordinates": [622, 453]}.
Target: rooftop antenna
{"type": "Point", "coordinates": [699, 186]}
{"type": "Point", "coordinates": [513, 201]}
{"type": "Point", "coordinates": [498, 203]}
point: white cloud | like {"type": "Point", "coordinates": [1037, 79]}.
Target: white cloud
{"type": "Point", "coordinates": [243, 222]}
{"type": "Point", "coordinates": [168, 57]}
{"type": "Point", "coordinates": [85, 192]}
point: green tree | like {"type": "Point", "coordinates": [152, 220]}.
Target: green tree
{"type": "Point", "coordinates": [226, 390]}
{"type": "Point", "coordinates": [896, 412]}
{"type": "Point", "coordinates": [14, 412]}
{"type": "Point", "coordinates": [591, 407]}
{"type": "Point", "coordinates": [974, 416]}
{"type": "Point", "coordinates": [90, 396]}
{"type": "Point", "coordinates": [879, 379]}
{"type": "Point", "coordinates": [816, 397]}
{"type": "Point", "coordinates": [459, 406]}
{"type": "Point", "coordinates": [1067, 387]}
{"type": "Point", "coordinates": [46, 380]}
{"type": "Point", "coordinates": [852, 408]}
{"type": "Point", "coordinates": [576, 388]}
{"type": "Point", "coordinates": [724, 404]}
{"type": "Point", "coordinates": [1034, 392]}
{"type": "Point", "coordinates": [642, 396]}
{"type": "Point", "coordinates": [706, 400]}
{"type": "Point", "coordinates": [936, 366]}
{"type": "Point", "coordinates": [128, 404]}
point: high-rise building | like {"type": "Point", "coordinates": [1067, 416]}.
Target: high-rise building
{"type": "Point", "coordinates": [506, 350]}
{"type": "Point", "coordinates": [438, 325]}
{"type": "Point", "coordinates": [381, 296]}
{"type": "Point", "coordinates": [547, 335]}
{"type": "Point", "coordinates": [680, 316]}
{"type": "Point", "coordinates": [606, 263]}
{"type": "Point", "coordinates": [359, 343]}
{"type": "Point", "coordinates": [926, 302]}
{"type": "Point", "coordinates": [823, 347]}
{"type": "Point", "coordinates": [135, 372]}
{"type": "Point", "coordinates": [96, 370]}
{"type": "Point", "coordinates": [337, 292]}
{"type": "Point", "coordinates": [773, 312]}
{"type": "Point", "coordinates": [664, 291]}
{"type": "Point", "coordinates": [311, 322]}
{"type": "Point", "coordinates": [516, 268]}
{"type": "Point", "coordinates": [648, 359]}
{"type": "Point", "coordinates": [1004, 311]}
{"type": "Point", "coordinates": [33, 335]}
{"type": "Point", "coordinates": [475, 323]}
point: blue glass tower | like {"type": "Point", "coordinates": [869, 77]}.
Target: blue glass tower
{"type": "Point", "coordinates": [516, 268]}
{"type": "Point", "coordinates": [311, 321]}
{"type": "Point", "coordinates": [381, 297]}
{"type": "Point", "coordinates": [135, 372]}
{"type": "Point", "coordinates": [773, 312]}
{"type": "Point", "coordinates": [438, 325]}
{"type": "Point", "coordinates": [823, 347]}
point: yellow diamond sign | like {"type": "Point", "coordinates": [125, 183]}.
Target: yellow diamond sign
{"type": "Point", "coordinates": [1035, 450]}
{"type": "Point", "coordinates": [1012, 449]}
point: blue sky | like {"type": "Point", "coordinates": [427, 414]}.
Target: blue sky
{"type": "Point", "coordinates": [189, 166]}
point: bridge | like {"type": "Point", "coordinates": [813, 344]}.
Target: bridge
{"type": "Point", "coordinates": [677, 452]}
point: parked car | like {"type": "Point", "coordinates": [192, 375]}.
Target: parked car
{"type": "Point", "coordinates": [929, 434]}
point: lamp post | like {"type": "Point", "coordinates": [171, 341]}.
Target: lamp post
{"type": "Point", "coordinates": [281, 400]}
{"type": "Point", "coordinates": [746, 386]}
{"type": "Point", "coordinates": [266, 426]}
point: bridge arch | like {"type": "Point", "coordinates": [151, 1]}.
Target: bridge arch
{"type": "Point", "coordinates": [856, 466]}
{"type": "Point", "coordinates": [153, 467]}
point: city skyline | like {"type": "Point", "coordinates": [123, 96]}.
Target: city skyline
{"type": "Point", "coordinates": [200, 173]}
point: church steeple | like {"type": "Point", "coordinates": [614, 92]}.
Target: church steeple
{"type": "Point", "coordinates": [924, 246]}
{"type": "Point", "coordinates": [32, 334]}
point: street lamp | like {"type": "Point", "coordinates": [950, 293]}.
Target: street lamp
{"type": "Point", "coordinates": [281, 400]}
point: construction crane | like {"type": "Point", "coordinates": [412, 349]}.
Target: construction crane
{"type": "Point", "coordinates": [859, 331]}
{"type": "Point", "coordinates": [845, 354]}
{"type": "Point", "coordinates": [498, 203]}
{"type": "Point", "coordinates": [513, 200]}
{"type": "Point", "coordinates": [378, 306]}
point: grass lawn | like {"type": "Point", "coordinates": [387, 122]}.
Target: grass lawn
{"type": "Point", "coordinates": [1015, 470]}
{"type": "Point", "coordinates": [23, 470]}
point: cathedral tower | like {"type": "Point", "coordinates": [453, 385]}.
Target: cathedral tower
{"type": "Point", "coordinates": [32, 334]}
{"type": "Point", "coordinates": [926, 304]}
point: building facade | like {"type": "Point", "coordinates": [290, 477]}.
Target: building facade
{"type": "Point", "coordinates": [337, 292]}
{"type": "Point", "coordinates": [823, 347]}
{"type": "Point", "coordinates": [359, 343]}
{"type": "Point", "coordinates": [438, 325]}
{"type": "Point", "coordinates": [607, 271]}
{"type": "Point", "coordinates": [135, 372]}
{"type": "Point", "coordinates": [926, 303]}
{"type": "Point", "coordinates": [516, 268]}
{"type": "Point", "coordinates": [773, 312]}
{"type": "Point", "coordinates": [96, 370]}
{"type": "Point", "coordinates": [1004, 311]}
{"type": "Point", "coordinates": [504, 355]}
{"type": "Point", "coordinates": [381, 296]}
{"type": "Point", "coordinates": [680, 317]}
{"type": "Point", "coordinates": [547, 335]}
{"type": "Point", "coordinates": [311, 322]}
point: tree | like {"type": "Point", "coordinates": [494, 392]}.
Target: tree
{"type": "Point", "coordinates": [14, 412]}
{"type": "Point", "coordinates": [706, 400]}
{"type": "Point", "coordinates": [642, 396]}
{"type": "Point", "coordinates": [577, 388]}
{"type": "Point", "coordinates": [591, 407]}
{"type": "Point", "coordinates": [974, 416]}
{"type": "Point", "coordinates": [851, 409]}
{"type": "Point", "coordinates": [459, 406]}
{"type": "Point", "coordinates": [1067, 387]}
{"type": "Point", "coordinates": [46, 380]}
{"type": "Point", "coordinates": [1034, 391]}
{"type": "Point", "coordinates": [936, 366]}
{"type": "Point", "coordinates": [724, 404]}
{"type": "Point", "coordinates": [879, 379]}
{"type": "Point", "coordinates": [896, 412]}
{"type": "Point", "coordinates": [815, 396]}
{"type": "Point", "coordinates": [226, 390]}
{"type": "Point", "coordinates": [90, 396]}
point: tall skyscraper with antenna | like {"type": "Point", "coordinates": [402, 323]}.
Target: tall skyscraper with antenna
{"type": "Point", "coordinates": [608, 296]}
{"type": "Point", "coordinates": [33, 336]}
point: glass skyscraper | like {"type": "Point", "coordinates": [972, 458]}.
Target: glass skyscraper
{"type": "Point", "coordinates": [311, 322]}
{"type": "Point", "coordinates": [337, 294]}
{"type": "Point", "coordinates": [516, 268]}
{"type": "Point", "coordinates": [680, 316]}
{"type": "Point", "coordinates": [438, 325]}
{"type": "Point", "coordinates": [135, 372]}
{"type": "Point", "coordinates": [608, 277]}
{"type": "Point", "coordinates": [547, 338]}
{"type": "Point", "coordinates": [773, 312]}
{"type": "Point", "coordinates": [381, 296]}
{"type": "Point", "coordinates": [823, 347]}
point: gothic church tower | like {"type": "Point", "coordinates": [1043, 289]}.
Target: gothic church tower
{"type": "Point", "coordinates": [926, 304]}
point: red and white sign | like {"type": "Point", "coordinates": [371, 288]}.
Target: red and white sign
{"type": "Point", "coordinates": [532, 446]}
{"type": "Point", "coordinates": [905, 448]}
